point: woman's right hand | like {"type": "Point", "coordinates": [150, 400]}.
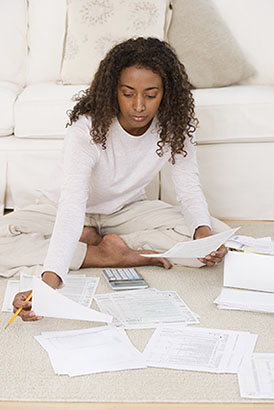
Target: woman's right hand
{"type": "Point", "coordinates": [26, 313]}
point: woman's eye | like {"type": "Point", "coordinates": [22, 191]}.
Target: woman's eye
{"type": "Point", "coordinates": [151, 96]}
{"type": "Point", "coordinates": [127, 95]}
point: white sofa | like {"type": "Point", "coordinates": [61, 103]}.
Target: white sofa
{"type": "Point", "coordinates": [236, 133]}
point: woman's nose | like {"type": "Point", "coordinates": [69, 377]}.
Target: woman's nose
{"type": "Point", "coordinates": [139, 104]}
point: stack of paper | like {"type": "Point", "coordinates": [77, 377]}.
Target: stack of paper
{"type": "Point", "coordinates": [85, 351]}
{"type": "Point", "coordinates": [148, 308]}
{"type": "Point", "coordinates": [256, 376]}
{"type": "Point", "coordinates": [238, 299]}
{"type": "Point", "coordinates": [199, 349]}
{"type": "Point", "coordinates": [79, 288]}
{"type": "Point", "coordinates": [263, 246]}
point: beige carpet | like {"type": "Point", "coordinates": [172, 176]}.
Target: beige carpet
{"type": "Point", "coordinates": [26, 373]}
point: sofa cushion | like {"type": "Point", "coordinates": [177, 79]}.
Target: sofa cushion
{"type": "Point", "coordinates": [205, 45]}
{"type": "Point", "coordinates": [40, 110]}
{"type": "Point", "coordinates": [8, 95]}
{"type": "Point", "coordinates": [46, 32]}
{"type": "Point", "coordinates": [29, 164]}
{"type": "Point", "coordinates": [95, 26]}
{"type": "Point", "coordinates": [251, 22]}
{"type": "Point", "coordinates": [239, 113]}
{"type": "Point", "coordinates": [13, 44]}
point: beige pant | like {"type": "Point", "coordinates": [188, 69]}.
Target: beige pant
{"type": "Point", "coordinates": [143, 224]}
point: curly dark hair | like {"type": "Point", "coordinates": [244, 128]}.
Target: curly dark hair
{"type": "Point", "coordinates": [176, 112]}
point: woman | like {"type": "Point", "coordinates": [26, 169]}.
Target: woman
{"type": "Point", "coordinates": [137, 115]}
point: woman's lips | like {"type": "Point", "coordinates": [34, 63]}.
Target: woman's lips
{"type": "Point", "coordinates": [138, 118]}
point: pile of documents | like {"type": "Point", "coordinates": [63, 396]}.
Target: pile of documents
{"type": "Point", "coordinates": [249, 263]}
{"type": "Point", "coordinates": [86, 351]}
{"type": "Point", "coordinates": [199, 349]}
{"type": "Point", "coordinates": [239, 299]}
{"type": "Point", "coordinates": [243, 243]}
{"type": "Point", "coordinates": [108, 348]}
{"type": "Point", "coordinates": [256, 376]}
{"type": "Point", "coordinates": [147, 308]}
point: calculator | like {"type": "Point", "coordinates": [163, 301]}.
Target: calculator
{"type": "Point", "coordinates": [124, 278]}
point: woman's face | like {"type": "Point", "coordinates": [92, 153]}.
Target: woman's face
{"type": "Point", "coordinates": [139, 92]}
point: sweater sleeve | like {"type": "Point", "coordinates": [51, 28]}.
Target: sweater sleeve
{"type": "Point", "coordinates": [185, 175]}
{"type": "Point", "coordinates": [80, 155]}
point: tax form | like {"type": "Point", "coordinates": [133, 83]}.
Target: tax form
{"type": "Point", "coordinates": [199, 349]}
{"type": "Point", "coordinates": [198, 248]}
{"type": "Point", "coordinates": [256, 376]}
{"type": "Point", "coordinates": [93, 350]}
{"type": "Point", "coordinates": [48, 302]}
{"type": "Point", "coordinates": [148, 308]}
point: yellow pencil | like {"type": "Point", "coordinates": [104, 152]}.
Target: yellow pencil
{"type": "Point", "coordinates": [17, 311]}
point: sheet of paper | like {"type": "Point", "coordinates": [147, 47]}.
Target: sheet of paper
{"type": "Point", "coordinates": [196, 249]}
{"type": "Point", "coordinates": [26, 281]}
{"type": "Point", "coordinates": [50, 303]}
{"type": "Point", "coordinates": [93, 350]}
{"type": "Point", "coordinates": [199, 349]}
{"type": "Point", "coordinates": [256, 376]}
{"type": "Point", "coordinates": [239, 299]}
{"type": "Point", "coordinates": [79, 288]}
{"type": "Point", "coordinates": [146, 308]}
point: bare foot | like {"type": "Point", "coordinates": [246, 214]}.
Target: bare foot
{"type": "Point", "coordinates": [113, 251]}
{"type": "Point", "coordinates": [90, 236]}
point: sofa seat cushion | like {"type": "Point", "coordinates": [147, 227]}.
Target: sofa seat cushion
{"type": "Point", "coordinates": [240, 113]}
{"type": "Point", "coordinates": [8, 95]}
{"type": "Point", "coordinates": [40, 110]}
{"type": "Point", "coordinates": [29, 162]}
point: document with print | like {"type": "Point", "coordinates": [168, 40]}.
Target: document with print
{"type": "Point", "coordinates": [198, 349]}
{"type": "Point", "coordinates": [198, 248]}
{"type": "Point", "coordinates": [256, 376]}
{"type": "Point", "coordinates": [49, 302]}
{"type": "Point", "coordinates": [79, 288]}
{"type": "Point", "coordinates": [148, 308]}
{"type": "Point", "coordinates": [92, 350]}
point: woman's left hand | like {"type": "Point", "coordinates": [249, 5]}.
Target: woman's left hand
{"type": "Point", "coordinates": [214, 257]}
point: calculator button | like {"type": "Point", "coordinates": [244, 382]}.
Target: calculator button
{"type": "Point", "coordinates": [117, 274]}
{"type": "Point", "coordinates": [134, 273]}
{"type": "Point", "coordinates": [129, 274]}
{"type": "Point", "coordinates": [123, 274]}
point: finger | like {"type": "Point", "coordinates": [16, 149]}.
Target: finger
{"type": "Point", "coordinates": [222, 250]}
{"type": "Point", "coordinates": [29, 316]}
{"type": "Point", "coordinates": [166, 264]}
{"type": "Point", "coordinates": [216, 256]}
{"type": "Point", "coordinates": [207, 262]}
{"type": "Point", "coordinates": [20, 302]}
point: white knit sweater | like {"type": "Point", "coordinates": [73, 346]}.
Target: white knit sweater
{"type": "Point", "coordinates": [92, 180]}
